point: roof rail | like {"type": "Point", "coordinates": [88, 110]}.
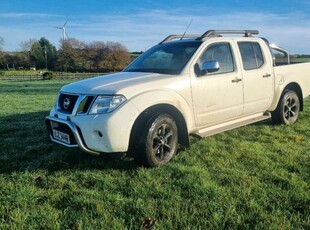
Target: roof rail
{"type": "Point", "coordinates": [181, 36]}
{"type": "Point", "coordinates": [210, 33]}
{"type": "Point", "coordinates": [213, 33]}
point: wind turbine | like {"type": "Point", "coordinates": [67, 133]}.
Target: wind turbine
{"type": "Point", "coordinates": [63, 28]}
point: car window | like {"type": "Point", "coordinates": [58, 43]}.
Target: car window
{"type": "Point", "coordinates": [251, 54]}
{"type": "Point", "coordinates": [220, 52]}
{"type": "Point", "coordinates": [166, 58]}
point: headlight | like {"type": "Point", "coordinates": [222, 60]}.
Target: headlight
{"type": "Point", "coordinates": [106, 104]}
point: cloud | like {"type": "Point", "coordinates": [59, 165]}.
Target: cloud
{"type": "Point", "coordinates": [26, 15]}
{"type": "Point", "coordinates": [142, 29]}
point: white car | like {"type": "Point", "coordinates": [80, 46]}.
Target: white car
{"type": "Point", "coordinates": [187, 84]}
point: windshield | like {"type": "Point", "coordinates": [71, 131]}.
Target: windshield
{"type": "Point", "coordinates": [166, 58]}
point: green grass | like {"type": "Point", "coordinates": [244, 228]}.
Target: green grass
{"type": "Point", "coordinates": [20, 72]}
{"type": "Point", "coordinates": [254, 177]}
{"type": "Point", "coordinates": [300, 59]}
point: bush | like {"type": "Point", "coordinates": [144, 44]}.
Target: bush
{"type": "Point", "coordinates": [47, 75]}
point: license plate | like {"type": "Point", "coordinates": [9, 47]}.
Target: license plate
{"type": "Point", "coordinates": [63, 137]}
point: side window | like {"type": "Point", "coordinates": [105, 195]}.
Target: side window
{"type": "Point", "coordinates": [252, 56]}
{"type": "Point", "coordinates": [222, 53]}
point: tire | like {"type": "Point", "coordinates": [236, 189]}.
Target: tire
{"type": "Point", "coordinates": [158, 142]}
{"type": "Point", "coordinates": [288, 109]}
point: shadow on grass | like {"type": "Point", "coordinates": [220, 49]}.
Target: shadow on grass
{"type": "Point", "coordinates": [26, 146]}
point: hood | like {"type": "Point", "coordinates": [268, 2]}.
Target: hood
{"type": "Point", "coordinates": [114, 83]}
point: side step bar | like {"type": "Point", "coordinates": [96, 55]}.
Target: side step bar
{"type": "Point", "coordinates": [209, 131]}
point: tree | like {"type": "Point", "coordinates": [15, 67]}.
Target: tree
{"type": "Point", "coordinates": [11, 60]}
{"type": "Point", "coordinates": [71, 55]}
{"type": "Point", "coordinates": [116, 57]}
{"type": "Point", "coordinates": [1, 54]}
{"type": "Point", "coordinates": [25, 53]}
{"type": "Point", "coordinates": [43, 54]}
{"type": "Point", "coordinates": [1, 43]}
{"type": "Point", "coordinates": [26, 45]}
{"type": "Point", "coordinates": [95, 53]}
{"type": "Point", "coordinates": [75, 55]}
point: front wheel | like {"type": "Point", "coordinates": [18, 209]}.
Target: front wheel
{"type": "Point", "coordinates": [158, 142]}
{"type": "Point", "coordinates": [288, 108]}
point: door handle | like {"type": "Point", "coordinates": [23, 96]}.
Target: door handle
{"type": "Point", "coordinates": [236, 80]}
{"type": "Point", "coordinates": [267, 75]}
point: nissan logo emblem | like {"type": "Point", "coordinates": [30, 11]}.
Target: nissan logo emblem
{"type": "Point", "coordinates": [66, 103]}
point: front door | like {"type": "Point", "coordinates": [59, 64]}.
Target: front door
{"type": "Point", "coordinates": [218, 96]}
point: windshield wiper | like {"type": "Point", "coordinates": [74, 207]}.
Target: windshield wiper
{"type": "Point", "coordinates": [133, 70]}
{"type": "Point", "coordinates": [139, 70]}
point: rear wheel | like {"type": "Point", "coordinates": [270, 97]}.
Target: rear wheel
{"type": "Point", "coordinates": [288, 108]}
{"type": "Point", "coordinates": [158, 142]}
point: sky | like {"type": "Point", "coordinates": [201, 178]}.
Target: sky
{"type": "Point", "coordinates": [139, 24]}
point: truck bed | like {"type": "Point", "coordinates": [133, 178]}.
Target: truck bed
{"type": "Point", "coordinates": [298, 71]}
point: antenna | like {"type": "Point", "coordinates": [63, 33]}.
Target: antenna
{"type": "Point", "coordinates": [63, 28]}
{"type": "Point", "coordinates": [187, 29]}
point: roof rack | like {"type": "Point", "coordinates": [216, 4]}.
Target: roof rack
{"type": "Point", "coordinates": [210, 33]}
{"type": "Point", "coordinates": [214, 33]}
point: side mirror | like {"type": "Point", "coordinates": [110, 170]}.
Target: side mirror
{"type": "Point", "coordinates": [209, 67]}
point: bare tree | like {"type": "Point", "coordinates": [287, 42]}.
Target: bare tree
{"type": "Point", "coordinates": [25, 53]}
{"type": "Point", "coordinates": [26, 45]}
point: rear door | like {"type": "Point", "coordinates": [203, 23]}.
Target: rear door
{"type": "Point", "coordinates": [258, 76]}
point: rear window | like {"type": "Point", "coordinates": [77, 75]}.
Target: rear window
{"type": "Point", "coordinates": [252, 56]}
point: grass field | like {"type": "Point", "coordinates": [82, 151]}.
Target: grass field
{"type": "Point", "coordinates": [300, 59]}
{"type": "Point", "coordinates": [254, 177]}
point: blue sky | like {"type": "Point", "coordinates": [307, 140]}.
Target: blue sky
{"type": "Point", "coordinates": [140, 24]}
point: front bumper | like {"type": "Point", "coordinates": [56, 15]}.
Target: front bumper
{"type": "Point", "coordinates": [95, 134]}
{"type": "Point", "coordinates": [76, 139]}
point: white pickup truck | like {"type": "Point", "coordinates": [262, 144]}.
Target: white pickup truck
{"type": "Point", "coordinates": [187, 84]}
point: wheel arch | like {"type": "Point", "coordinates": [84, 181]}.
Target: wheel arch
{"type": "Point", "coordinates": [149, 113]}
{"type": "Point", "coordinates": [286, 112]}
{"type": "Point", "coordinates": [279, 92]}
{"type": "Point", "coordinates": [296, 88]}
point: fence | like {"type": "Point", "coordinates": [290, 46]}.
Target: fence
{"type": "Point", "coordinates": [60, 76]}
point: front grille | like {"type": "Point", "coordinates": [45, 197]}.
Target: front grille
{"type": "Point", "coordinates": [66, 102]}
